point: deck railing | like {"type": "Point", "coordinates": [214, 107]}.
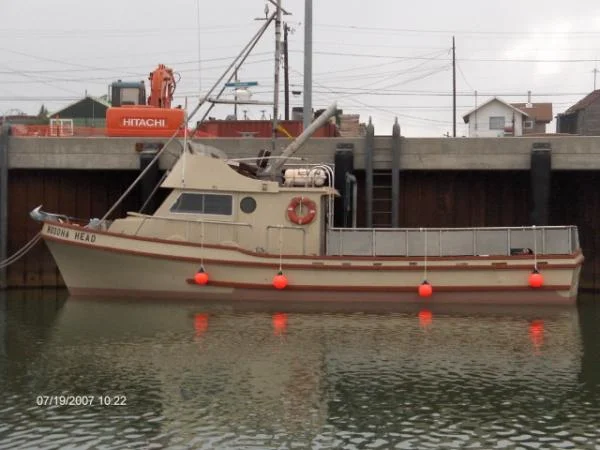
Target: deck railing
{"type": "Point", "coordinates": [216, 231]}
{"type": "Point", "coordinates": [191, 230]}
{"type": "Point", "coordinates": [452, 241]}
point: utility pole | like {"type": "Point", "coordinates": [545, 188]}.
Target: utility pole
{"type": "Point", "coordinates": [595, 73]}
{"type": "Point", "coordinates": [286, 74]}
{"type": "Point", "coordinates": [453, 88]}
{"type": "Point", "coordinates": [307, 109]}
{"type": "Point", "coordinates": [277, 64]}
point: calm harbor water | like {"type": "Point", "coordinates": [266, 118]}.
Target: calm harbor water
{"type": "Point", "coordinates": [162, 374]}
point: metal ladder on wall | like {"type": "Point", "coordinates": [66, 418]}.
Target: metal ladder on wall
{"type": "Point", "coordinates": [382, 198]}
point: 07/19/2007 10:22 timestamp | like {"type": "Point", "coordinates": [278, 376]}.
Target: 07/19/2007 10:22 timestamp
{"type": "Point", "coordinates": [81, 400]}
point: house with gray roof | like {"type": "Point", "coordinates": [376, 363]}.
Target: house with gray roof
{"type": "Point", "coordinates": [583, 118]}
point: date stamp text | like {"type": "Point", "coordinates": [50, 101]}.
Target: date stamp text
{"type": "Point", "coordinates": [81, 400]}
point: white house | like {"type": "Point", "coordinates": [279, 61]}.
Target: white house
{"type": "Point", "coordinates": [495, 118]}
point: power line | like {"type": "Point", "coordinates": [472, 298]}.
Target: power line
{"type": "Point", "coordinates": [463, 32]}
{"type": "Point", "coordinates": [41, 80]}
{"type": "Point", "coordinates": [85, 68]}
{"type": "Point", "coordinates": [116, 32]}
{"type": "Point", "coordinates": [385, 110]}
{"type": "Point", "coordinates": [463, 76]}
{"type": "Point", "coordinates": [404, 47]}
{"type": "Point", "coordinates": [520, 60]}
{"type": "Point", "coordinates": [342, 90]}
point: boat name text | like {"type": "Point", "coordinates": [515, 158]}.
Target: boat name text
{"type": "Point", "coordinates": [70, 234]}
{"type": "Point", "coordinates": [144, 123]}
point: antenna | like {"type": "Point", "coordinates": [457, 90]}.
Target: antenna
{"type": "Point", "coordinates": [453, 88]}
{"type": "Point", "coordinates": [199, 49]}
{"type": "Point", "coordinates": [276, 77]}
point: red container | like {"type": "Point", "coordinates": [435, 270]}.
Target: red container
{"type": "Point", "coordinates": [260, 128]}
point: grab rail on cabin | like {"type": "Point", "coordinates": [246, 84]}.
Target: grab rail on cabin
{"type": "Point", "coordinates": [282, 244]}
{"type": "Point", "coordinates": [452, 241]}
{"type": "Point", "coordinates": [187, 222]}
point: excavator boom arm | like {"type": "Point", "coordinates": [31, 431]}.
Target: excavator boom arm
{"type": "Point", "coordinates": [162, 87]}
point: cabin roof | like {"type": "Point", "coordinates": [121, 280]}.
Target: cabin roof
{"type": "Point", "coordinates": [201, 172]}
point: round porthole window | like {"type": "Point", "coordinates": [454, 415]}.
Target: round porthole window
{"type": "Point", "coordinates": [248, 205]}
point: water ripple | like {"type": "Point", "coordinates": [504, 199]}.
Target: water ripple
{"type": "Point", "coordinates": [213, 379]}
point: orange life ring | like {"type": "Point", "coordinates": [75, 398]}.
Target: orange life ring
{"type": "Point", "coordinates": [305, 204]}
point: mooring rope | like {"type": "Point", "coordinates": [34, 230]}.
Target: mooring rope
{"type": "Point", "coordinates": [280, 248]}
{"type": "Point", "coordinates": [202, 246]}
{"type": "Point", "coordinates": [425, 256]}
{"type": "Point", "coordinates": [535, 265]}
{"type": "Point", "coordinates": [21, 252]}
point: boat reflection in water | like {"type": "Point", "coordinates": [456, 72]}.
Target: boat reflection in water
{"type": "Point", "coordinates": [213, 376]}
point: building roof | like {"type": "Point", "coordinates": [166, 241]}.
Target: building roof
{"type": "Point", "coordinates": [20, 119]}
{"type": "Point", "coordinates": [466, 116]}
{"type": "Point", "coordinates": [540, 112]}
{"type": "Point", "coordinates": [87, 99]}
{"type": "Point", "coordinates": [584, 102]}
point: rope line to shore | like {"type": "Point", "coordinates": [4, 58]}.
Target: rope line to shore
{"type": "Point", "coordinates": [22, 252]}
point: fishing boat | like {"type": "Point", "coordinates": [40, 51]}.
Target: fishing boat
{"type": "Point", "coordinates": [249, 232]}
{"type": "Point", "coordinates": [263, 230]}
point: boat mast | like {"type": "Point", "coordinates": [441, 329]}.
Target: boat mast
{"type": "Point", "coordinates": [236, 63]}
{"type": "Point", "coordinates": [307, 114]}
{"type": "Point", "coordinates": [276, 79]}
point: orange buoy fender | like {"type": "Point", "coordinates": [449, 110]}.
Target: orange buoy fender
{"type": "Point", "coordinates": [307, 207]}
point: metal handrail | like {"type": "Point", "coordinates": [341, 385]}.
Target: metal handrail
{"type": "Point", "coordinates": [182, 219]}
{"type": "Point", "coordinates": [145, 218]}
{"type": "Point", "coordinates": [518, 228]}
{"type": "Point", "coordinates": [286, 227]}
{"type": "Point", "coordinates": [364, 240]}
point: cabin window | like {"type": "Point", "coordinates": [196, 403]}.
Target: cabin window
{"type": "Point", "coordinates": [497, 123]}
{"type": "Point", "coordinates": [203, 204]}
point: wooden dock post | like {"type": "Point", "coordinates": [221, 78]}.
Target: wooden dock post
{"type": "Point", "coordinates": [541, 169]}
{"type": "Point", "coordinates": [4, 135]}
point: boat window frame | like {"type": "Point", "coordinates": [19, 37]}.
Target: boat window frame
{"type": "Point", "coordinates": [224, 209]}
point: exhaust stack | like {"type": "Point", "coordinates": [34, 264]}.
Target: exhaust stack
{"type": "Point", "coordinates": [275, 167]}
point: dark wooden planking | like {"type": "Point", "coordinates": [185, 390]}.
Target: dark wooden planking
{"type": "Point", "coordinates": [428, 199]}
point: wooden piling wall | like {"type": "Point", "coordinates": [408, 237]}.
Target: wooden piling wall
{"type": "Point", "coordinates": [494, 198]}
{"type": "Point", "coordinates": [82, 194]}
{"type": "Point", "coordinates": [427, 199]}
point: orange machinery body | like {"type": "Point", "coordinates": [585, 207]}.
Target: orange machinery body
{"type": "Point", "coordinates": [162, 87]}
{"type": "Point", "coordinates": [143, 120]}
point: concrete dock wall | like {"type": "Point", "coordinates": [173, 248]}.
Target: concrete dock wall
{"type": "Point", "coordinates": [93, 153]}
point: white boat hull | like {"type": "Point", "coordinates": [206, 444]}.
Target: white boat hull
{"type": "Point", "coordinates": [109, 264]}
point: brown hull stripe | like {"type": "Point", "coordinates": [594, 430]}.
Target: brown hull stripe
{"type": "Point", "coordinates": [274, 256]}
{"type": "Point", "coordinates": [347, 267]}
{"type": "Point", "coordinates": [345, 288]}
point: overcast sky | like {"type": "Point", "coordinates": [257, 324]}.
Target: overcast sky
{"type": "Point", "coordinates": [381, 58]}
